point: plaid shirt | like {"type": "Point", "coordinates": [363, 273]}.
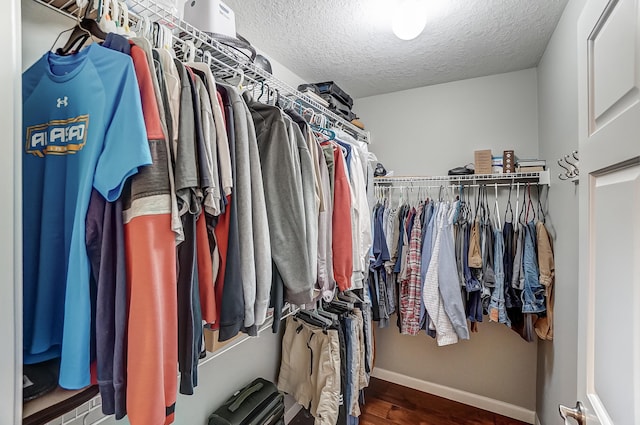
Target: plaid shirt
{"type": "Point", "coordinates": [410, 287]}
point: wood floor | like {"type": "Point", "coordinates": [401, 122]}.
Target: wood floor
{"type": "Point", "coordinates": [391, 404]}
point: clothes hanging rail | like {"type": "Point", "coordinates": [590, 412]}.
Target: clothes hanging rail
{"type": "Point", "coordinates": [538, 177]}
{"type": "Point", "coordinates": [225, 63]}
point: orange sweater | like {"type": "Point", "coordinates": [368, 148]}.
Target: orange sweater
{"type": "Point", "coordinates": [342, 232]}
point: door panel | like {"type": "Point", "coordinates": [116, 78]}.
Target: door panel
{"type": "Point", "coordinates": [609, 272]}
{"type": "Point", "coordinates": [615, 289]}
{"type": "Point", "coordinates": [613, 59]}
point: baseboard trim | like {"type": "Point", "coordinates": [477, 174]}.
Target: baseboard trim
{"type": "Point", "coordinates": [292, 412]}
{"type": "Point", "coordinates": [475, 400]}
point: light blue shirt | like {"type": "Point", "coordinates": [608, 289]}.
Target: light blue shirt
{"type": "Point", "coordinates": [83, 128]}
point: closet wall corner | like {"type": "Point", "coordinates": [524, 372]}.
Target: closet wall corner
{"type": "Point", "coordinates": [10, 217]}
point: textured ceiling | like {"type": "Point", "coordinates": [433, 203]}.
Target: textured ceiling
{"type": "Point", "coordinates": [351, 43]}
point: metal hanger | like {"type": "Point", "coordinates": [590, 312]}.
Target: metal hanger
{"type": "Point", "coordinates": [497, 208]}
{"type": "Point", "coordinates": [529, 205]}
{"type": "Point", "coordinates": [541, 212]}
{"type": "Point", "coordinates": [312, 314]}
{"type": "Point", "coordinates": [508, 209]}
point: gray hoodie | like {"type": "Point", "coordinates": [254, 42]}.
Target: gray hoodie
{"type": "Point", "coordinates": [253, 226]}
{"type": "Point", "coordinates": [285, 202]}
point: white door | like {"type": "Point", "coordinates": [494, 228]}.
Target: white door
{"type": "Point", "coordinates": [10, 213]}
{"type": "Point", "coordinates": [609, 290]}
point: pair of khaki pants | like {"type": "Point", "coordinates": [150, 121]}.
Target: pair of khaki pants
{"type": "Point", "coordinates": [310, 369]}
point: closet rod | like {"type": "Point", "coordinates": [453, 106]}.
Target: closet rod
{"type": "Point", "coordinates": [204, 42]}
{"type": "Point", "coordinates": [538, 177]}
{"type": "Point", "coordinates": [450, 186]}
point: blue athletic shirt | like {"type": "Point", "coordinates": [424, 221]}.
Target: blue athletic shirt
{"type": "Point", "coordinates": [83, 128]}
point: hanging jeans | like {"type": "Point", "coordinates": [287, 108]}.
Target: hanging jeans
{"type": "Point", "coordinates": [513, 302]}
{"type": "Point", "coordinates": [533, 293]}
{"type": "Point", "coordinates": [497, 310]}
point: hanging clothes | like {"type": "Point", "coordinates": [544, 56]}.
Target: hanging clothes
{"type": "Point", "coordinates": [544, 325]}
{"type": "Point", "coordinates": [441, 240]}
{"type": "Point", "coordinates": [326, 363]}
{"type": "Point", "coordinates": [148, 234]}
{"type": "Point", "coordinates": [428, 241]}
{"type": "Point", "coordinates": [512, 300]}
{"type": "Point", "coordinates": [285, 203]}
{"type": "Point", "coordinates": [445, 332]}
{"type": "Point", "coordinates": [378, 275]}
{"type": "Point", "coordinates": [214, 207]}
{"type": "Point", "coordinates": [533, 293]}
{"type": "Point", "coordinates": [310, 368]}
{"type": "Point", "coordinates": [448, 283]}
{"type": "Point", "coordinates": [232, 307]}
{"type": "Point", "coordinates": [410, 287]}
{"type": "Point", "coordinates": [497, 308]}
{"type": "Point", "coordinates": [341, 222]}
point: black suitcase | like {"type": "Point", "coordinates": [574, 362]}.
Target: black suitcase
{"type": "Point", "coordinates": [329, 87]}
{"type": "Point", "coordinates": [259, 403]}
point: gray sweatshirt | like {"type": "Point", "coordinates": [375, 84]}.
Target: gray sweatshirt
{"type": "Point", "coordinates": [261, 240]}
{"type": "Point", "coordinates": [285, 202]}
{"type": "Point", "coordinates": [311, 205]}
{"type": "Point", "coordinates": [242, 192]}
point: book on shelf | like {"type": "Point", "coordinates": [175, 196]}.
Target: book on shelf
{"type": "Point", "coordinates": [529, 169]}
{"type": "Point", "coordinates": [509, 161]}
{"type": "Point", "coordinates": [483, 161]}
{"type": "Point", "coordinates": [531, 163]}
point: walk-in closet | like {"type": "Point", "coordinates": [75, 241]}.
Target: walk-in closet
{"type": "Point", "coordinates": [332, 213]}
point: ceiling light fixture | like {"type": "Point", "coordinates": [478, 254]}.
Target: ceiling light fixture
{"type": "Point", "coordinates": [409, 18]}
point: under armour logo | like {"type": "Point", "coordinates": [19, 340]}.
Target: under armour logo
{"type": "Point", "coordinates": [63, 101]}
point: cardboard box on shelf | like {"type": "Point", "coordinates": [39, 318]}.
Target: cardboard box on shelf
{"type": "Point", "coordinates": [211, 343]}
{"type": "Point", "coordinates": [483, 161]}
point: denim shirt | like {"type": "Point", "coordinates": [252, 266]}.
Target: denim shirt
{"type": "Point", "coordinates": [533, 293]}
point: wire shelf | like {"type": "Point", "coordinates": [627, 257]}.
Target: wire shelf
{"type": "Point", "coordinates": [226, 62]}
{"type": "Point", "coordinates": [538, 177]}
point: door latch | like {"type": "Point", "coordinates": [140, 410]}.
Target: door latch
{"type": "Point", "coordinates": [576, 413]}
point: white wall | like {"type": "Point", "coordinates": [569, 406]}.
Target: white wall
{"type": "Point", "coordinates": [558, 110]}
{"type": "Point", "coordinates": [431, 129]}
{"type": "Point", "coordinates": [427, 131]}
{"type": "Point", "coordinates": [219, 378]}
{"type": "Point", "coordinates": [10, 228]}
